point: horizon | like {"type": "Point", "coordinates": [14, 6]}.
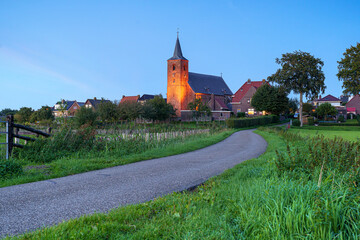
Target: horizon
{"type": "Point", "coordinates": [80, 50]}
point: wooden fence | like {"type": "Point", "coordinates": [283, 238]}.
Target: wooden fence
{"type": "Point", "coordinates": [13, 133]}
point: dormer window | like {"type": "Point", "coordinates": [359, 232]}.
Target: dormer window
{"type": "Point", "coordinates": [173, 67]}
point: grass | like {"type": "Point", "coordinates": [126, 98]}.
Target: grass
{"type": "Point", "coordinates": [250, 201]}
{"type": "Point", "coordinates": [351, 133]}
{"type": "Point", "coordinates": [78, 164]}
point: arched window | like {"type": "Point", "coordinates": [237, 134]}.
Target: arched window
{"type": "Point", "coordinates": [174, 67]}
{"type": "Point", "coordinates": [184, 68]}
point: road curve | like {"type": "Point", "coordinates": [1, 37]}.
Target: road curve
{"type": "Point", "coordinates": [30, 206]}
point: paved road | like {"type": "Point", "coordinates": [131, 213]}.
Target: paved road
{"type": "Point", "coordinates": [30, 206]}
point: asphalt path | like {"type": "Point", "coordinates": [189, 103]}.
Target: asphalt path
{"type": "Point", "coordinates": [31, 206]}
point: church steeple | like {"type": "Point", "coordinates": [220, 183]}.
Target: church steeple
{"type": "Point", "coordinates": [177, 51]}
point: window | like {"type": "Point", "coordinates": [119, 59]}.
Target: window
{"type": "Point", "coordinates": [75, 107]}
{"type": "Point", "coordinates": [238, 110]}
{"type": "Point", "coordinates": [184, 68]}
{"type": "Point", "coordinates": [248, 100]}
{"type": "Point", "coordinates": [251, 111]}
{"type": "Point", "coordinates": [173, 67]}
{"type": "Point", "coordinates": [174, 81]}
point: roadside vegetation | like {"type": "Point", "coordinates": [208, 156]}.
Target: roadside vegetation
{"type": "Point", "coordinates": [293, 191]}
{"type": "Point", "coordinates": [75, 150]}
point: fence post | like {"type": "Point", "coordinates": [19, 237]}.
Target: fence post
{"type": "Point", "coordinates": [10, 135]}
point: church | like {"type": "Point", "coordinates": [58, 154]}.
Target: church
{"type": "Point", "coordinates": [184, 87]}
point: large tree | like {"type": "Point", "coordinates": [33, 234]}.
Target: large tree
{"type": "Point", "coordinates": [302, 73]}
{"type": "Point", "coordinates": [349, 70]}
{"type": "Point", "coordinates": [270, 99]}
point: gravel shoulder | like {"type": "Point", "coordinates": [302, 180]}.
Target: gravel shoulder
{"type": "Point", "coordinates": [30, 206]}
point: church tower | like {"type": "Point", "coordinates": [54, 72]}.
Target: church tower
{"type": "Point", "coordinates": [178, 89]}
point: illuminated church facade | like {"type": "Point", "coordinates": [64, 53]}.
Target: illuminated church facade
{"type": "Point", "coordinates": [184, 87]}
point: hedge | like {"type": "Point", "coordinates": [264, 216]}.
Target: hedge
{"type": "Point", "coordinates": [251, 121]}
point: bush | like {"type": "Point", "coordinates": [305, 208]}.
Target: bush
{"type": "Point", "coordinates": [358, 118]}
{"type": "Point", "coordinates": [85, 116]}
{"type": "Point", "coordinates": [240, 114]}
{"type": "Point", "coordinates": [341, 118]}
{"type": "Point", "coordinates": [251, 121]}
{"type": "Point", "coordinates": [296, 123]}
{"type": "Point", "coordinates": [310, 121]}
{"type": "Point", "coordinates": [9, 168]}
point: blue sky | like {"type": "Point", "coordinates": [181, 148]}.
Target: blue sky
{"type": "Point", "coordinates": [74, 50]}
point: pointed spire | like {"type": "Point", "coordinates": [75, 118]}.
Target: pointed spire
{"type": "Point", "coordinates": [177, 51]}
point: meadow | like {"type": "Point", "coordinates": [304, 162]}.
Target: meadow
{"type": "Point", "coordinates": [351, 133]}
{"type": "Point", "coordinates": [293, 191]}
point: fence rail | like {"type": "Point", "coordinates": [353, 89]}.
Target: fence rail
{"type": "Point", "coordinates": [6, 140]}
{"type": "Point", "coordinates": [12, 133]}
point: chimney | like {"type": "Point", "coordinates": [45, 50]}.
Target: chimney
{"type": "Point", "coordinates": [249, 81]}
{"type": "Point", "coordinates": [123, 96]}
{"type": "Point", "coordinates": [95, 98]}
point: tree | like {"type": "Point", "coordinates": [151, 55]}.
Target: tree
{"type": "Point", "coordinates": [302, 73]}
{"type": "Point", "coordinates": [325, 110]}
{"type": "Point", "coordinates": [8, 111]}
{"type": "Point", "coordinates": [23, 115]}
{"type": "Point", "coordinates": [270, 99]}
{"type": "Point", "coordinates": [42, 114]}
{"type": "Point", "coordinates": [307, 108]}
{"type": "Point", "coordinates": [108, 111]}
{"type": "Point", "coordinates": [85, 116]}
{"type": "Point", "coordinates": [129, 110]}
{"type": "Point", "coordinates": [158, 109]}
{"type": "Point", "coordinates": [349, 70]}
{"type": "Point", "coordinates": [293, 105]}
{"type": "Point", "coordinates": [199, 108]}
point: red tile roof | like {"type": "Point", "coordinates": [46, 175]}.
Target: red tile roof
{"type": "Point", "coordinates": [329, 98]}
{"type": "Point", "coordinates": [129, 99]}
{"type": "Point", "coordinates": [245, 88]}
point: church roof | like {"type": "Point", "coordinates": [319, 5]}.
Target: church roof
{"type": "Point", "coordinates": [208, 84]}
{"type": "Point", "coordinates": [177, 51]}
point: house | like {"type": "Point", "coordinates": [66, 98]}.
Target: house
{"type": "Point", "coordinates": [241, 101]}
{"type": "Point", "coordinates": [334, 101]}
{"type": "Point", "coordinates": [129, 99]}
{"type": "Point", "coordinates": [93, 103]}
{"type": "Point", "coordinates": [66, 108]}
{"type": "Point", "coordinates": [328, 99]}
{"type": "Point", "coordinates": [353, 105]}
{"type": "Point", "coordinates": [184, 87]}
{"type": "Point", "coordinates": [146, 97]}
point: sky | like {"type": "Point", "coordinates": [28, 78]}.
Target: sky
{"type": "Point", "coordinates": [75, 50]}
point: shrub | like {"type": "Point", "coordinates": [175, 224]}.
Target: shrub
{"type": "Point", "coordinates": [341, 118]}
{"type": "Point", "coordinates": [9, 168]}
{"type": "Point", "coordinates": [310, 121]}
{"type": "Point", "coordinates": [240, 114]}
{"type": "Point", "coordinates": [85, 116]}
{"type": "Point", "coordinates": [296, 123]}
{"type": "Point", "coordinates": [251, 121]}
{"type": "Point", "coordinates": [358, 118]}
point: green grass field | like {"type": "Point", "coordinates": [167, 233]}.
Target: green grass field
{"type": "Point", "coordinates": [351, 133]}
{"type": "Point", "coordinates": [250, 201]}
